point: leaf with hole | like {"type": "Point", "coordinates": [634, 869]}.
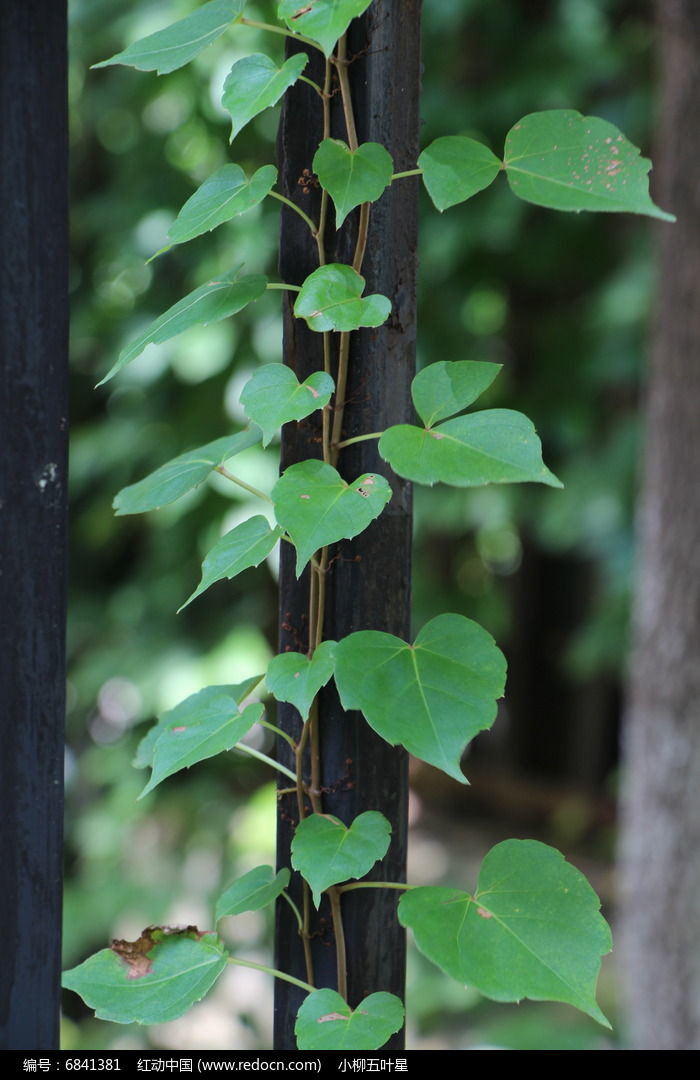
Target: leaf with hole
{"type": "Point", "coordinates": [325, 851]}
{"type": "Point", "coordinates": [274, 396]}
{"type": "Point", "coordinates": [255, 83]}
{"type": "Point", "coordinates": [225, 194]}
{"type": "Point", "coordinates": [316, 506]}
{"type": "Point", "coordinates": [532, 929]}
{"type": "Point", "coordinates": [567, 161]}
{"type": "Point", "coordinates": [209, 303]}
{"type": "Point", "coordinates": [443, 389]}
{"type": "Point", "coordinates": [183, 473]}
{"type": "Point", "coordinates": [495, 446]}
{"type": "Point", "coordinates": [455, 168]}
{"type": "Point", "coordinates": [331, 299]}
{"type": "Point", "coordinates": [352, 177]}
{"type": "Point", "coordinates": [326, 1022]}
{"type": "Point", "coordinates": [176, 45]}
{"type": "Point", "coordinates": [242, 547]}
{"type": "Point", "coordinates": [292, 677]}
{"type": "Point", "coordinates": [252, 891]}
{"type": "Point", "coordinates": [152, 980]}
{"type": "Point", "coordinates": [323, 21]}
{"type": "Point", "coordinates": [432, 697]}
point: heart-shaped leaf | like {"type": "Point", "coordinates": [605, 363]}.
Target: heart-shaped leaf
{"type": "Point", "coordinates": [495, 446]}
{"type": "Point", "coordinates": [255, 83]}
{"type": "Point", "coordinates": [152, 980]}
{"type": "Point", "coordinates": [443, 389]}
{"type": "Point", "coordinates": [201, 726]}
{"type": "Point", "coordinates": [532, 929]}
{"type": "Point", "coordinates": [331, 299]}
{"type": "Point", "coordinates": [183, 473]}
{"type": "Point", "coordinates": [274, 396]}
{"type": "Point", "coordinates": [567, 161]}
{"type": "Point", "coordinates": [223, 195]}
{"type": "Point", "coordinates": [326, 1022]}
{"type": "Point", "coordinates": [431, 697]}
{"type": "Point", "coordinates": [352, 177]}
{"type": "Point", "coordinates": [455, 168]}
{"type": "Point", "coordinates": [245, 546]}
{"type": "Point", "coordinates": [293, 677]}
{"type": "Point", "coordinates": [209, 303]}
{"type": "Point", "coordinates": [325, 851]}
{"type": "Point", "coordinates": [255, 890]}
{"type": "Point", "coordinates": [316, 507]}
{"type": "Point", "coordinates": [323, 21]}
{"type": "Point", "coordinates": [176, 45]}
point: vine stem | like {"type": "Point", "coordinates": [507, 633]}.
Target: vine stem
{"type": "Point", "coordinates": [252, 752]}
{"type": "Point", "coordinates": [278, 731]}
{"type": "Point", "coordinates": [297, 209]}
{"type": "Point", "coordinates": [280, 30]}
{"type": "Point", "coordinates": [295, 909]}
{"type": "Point", "coordinates": [339, 934]}
{"type": "Point", "coordinates": [408, 172]}
{"type": "Point", "coordinates": [358, 438]}
{"type": "Point", "coordinates": [341, 64]}
{"type": "Point", "coordinates": [373, 885]}
{"type": "Point", "coordinates": [271, 971]}
{"type": "Point", "coordinates": [283, 285]}
{"type": "Point", "coordinates": [242, 483]}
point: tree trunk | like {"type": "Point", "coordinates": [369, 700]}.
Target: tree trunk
{"type": "Point", "coordinates": [661, 803]}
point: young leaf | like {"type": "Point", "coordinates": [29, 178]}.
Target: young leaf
{"type": "Point", "coordinates": [209, 303]}
{"type": "Point", "coordinates": [316, 507]}
{"type": "Point", "coordinates": [325, 851]}
{"type": "Point", "coordinates": [352, 177]}
{"type": "Point", "coordinates": [567, 161]}
{"type": "Point", "coordinates": [326, 1022]}
{"type": "Point", "coordinates": [176, 45]}
{"type": "Point", "coordinates": [274, 396]}
{"type": "Point", "coordinates": [455, 168]}
{"type": "Point", "coordinates": [431, 697]}
{"type": "Point", "coordinates": [331, 299]}
{"type": "Point", "coordinates": [255, 83]}
{"type": "Point", "coordinates": [293, 677]}
{"type": "Point", "coordinates": [532, 929]}
{"type": "Point", "coordinates": [323, 21]}
{"type": "Point", "coordinates": [245, 546]}
{"type": "Point", "coordinates": [443, 389]}
{"type": "Point", "coordinates": [255, 890]}
{"type": "Point", "coordinates": [495, 446]}
{"type": "Point", "coordinates": [225, 194]}
{"type": "Point", "coordinates": [152, 980]}
{"type": "Point", "coordinates": [201, 726]}
{"type": "Point", "coordinates": [183, 473]}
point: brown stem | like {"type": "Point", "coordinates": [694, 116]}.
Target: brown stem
{"type": "Point", "coordinates": [339, 934]}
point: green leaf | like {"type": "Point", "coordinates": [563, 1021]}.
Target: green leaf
{"type": "Point", "coordinates": [209, 303]}
{"type": "Point", "coordinates": [532, 929]}
{"type": "Point", "coordinates": [274, 396]}
{"type": "Point", "coordinates": [495, 446]}
{"type": "Point", "coordinates": [225, 194]}
{"type": "Point", "coordinates": [352, 177]}
{"type": "Point", "coordinates": [331, 299]}
{"type": "Point", "coordinates": [151, 981]}
{"type": "Point", "coordinates": [431, 697]}
{"type": "Point", "coordinates": [255, 83]}
{"type": "Point", "coordinates": [455, 168]}
{"type": "Point", "coordinates": [201, 726]}
{"type": "Point", "coordinates": [326, 1022]}
{"type": "Point", "coordinates": [568, 161]}
{"type": "Point", "coordinates": [316, 507]}
{"type": "Point", "coordinates": [323, 21]}
{"type": "Point", "coordinates": [255, 890]}
{"type": "Point", "coordinates": [325, 851]}
{"type": "Point", "coordinates": [445, 388]}
{"type": "Point", "coordinates": [183, 473]}
{"type": "Point", "coordinates": [169, 49]}
{"type": "Point", "coordinates": [293, 677]}
{"type": "Point", "coordinates": [245, 546]}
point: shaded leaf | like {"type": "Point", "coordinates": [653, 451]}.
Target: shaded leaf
{"type": "Point", "coordinates": [323, 21]}
{"type": "Point", "coordinates": [223, 195]}
{"type": "Point", "coordinates": [445, 388]}
{"type": "Point", "coordinates": [293, 677]}
{"type": "Point", "coordinates": [352, 177]}
{"type": "Point", "coordinates": [255, 890]}
{"type": "Point", "coordinates": [455, 168]}
{"type": "Point", "coordinates": [567, 161]}
{"type": "Point", "coordinates": [316, 507]}
{"type": "Point", "coordinates": [274, 396]}
{"type": "Point", "coordinates": [532, 929]}
{"type": "Point", "coordinates": [255, 83]}
{"type": "Point", "coordinates": [245, 546]}
{"type": "Point", "coordinates": [326, 1022]}
{"type": "Point", "coordinates": [325, 851]}
{"type": "Point", "coordinates": [431, 697]}
{"type": "Point", "coordinates": [331, 299]}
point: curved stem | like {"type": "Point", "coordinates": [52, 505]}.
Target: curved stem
{"type": "Point", "coordinates": [278, 731]}
{"type": "Point", "coordinates": [297, 209]}
{"type": "Point", "coordinates": [280, 30]}
{"type": "Point", "coordinates": [242, 483]}
{"type": "Point", "coordinates": [310, 82]}
{"type": "Point", "coordinates": [374, 885]}
{"type": "Point", "coordinates": [252, 752]}
{"type": "Point", "coordinates": [271, 971]}
{"type": "Point", "coordinates": [283, 285]}
{"type": "Point", "coordinates": [295, 909]}
{"type": "Point", "coordinates": [357, 438]}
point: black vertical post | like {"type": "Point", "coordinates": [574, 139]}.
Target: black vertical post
{"type": "Point", "coordinates": [33, 440]}
{"type": "Point", "coordinates": [369, 579]}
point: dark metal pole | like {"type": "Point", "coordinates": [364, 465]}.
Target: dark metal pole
{"type": "Point", "coordinates": [369, 580]}
{"type": "Point", "coordinates": [33, 456]}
